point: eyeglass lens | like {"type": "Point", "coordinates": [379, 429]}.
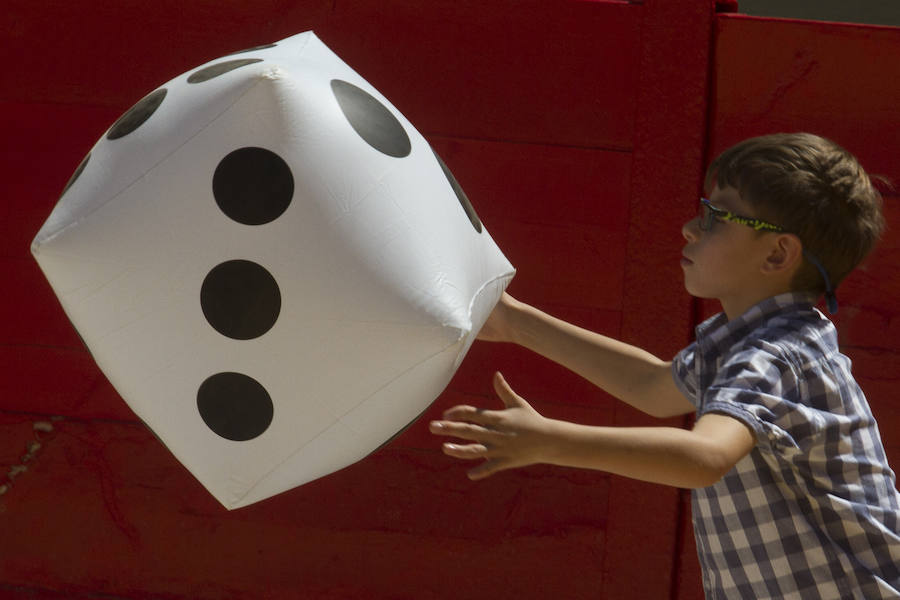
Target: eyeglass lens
{"type": "Point", "coordinates": [706, 217]}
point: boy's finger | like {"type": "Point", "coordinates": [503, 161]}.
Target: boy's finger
{"type": "Point", "coordinates": [463, 431]}
{"type": "Point", "coordinates": [459, 410]}
{"type": "Point", "coordinates": [465, 451]}
{"type": "Point", "coordinates": [507, 395]}
{"type": "Point", "coordinates": [486, 469]}
{"type": "Point", "coordinates": [470, 414]}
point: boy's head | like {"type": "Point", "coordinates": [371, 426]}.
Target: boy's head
{"type": "Point", "coordinates": [812, 188]}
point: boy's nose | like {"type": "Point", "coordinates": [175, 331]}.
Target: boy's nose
{"type": "Point", "coordinates": [691, 229]}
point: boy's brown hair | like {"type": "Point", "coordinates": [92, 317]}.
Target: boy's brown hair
{"type": "Point", "coordinates": [812, 188]}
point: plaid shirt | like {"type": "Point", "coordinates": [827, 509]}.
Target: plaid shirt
{"type": "Point", "coordinates": [812, 511]}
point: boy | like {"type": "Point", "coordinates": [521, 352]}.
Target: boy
{"type": "Point", "coordinates": [792, 494]}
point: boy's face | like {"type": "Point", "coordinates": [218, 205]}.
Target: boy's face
{"type": "Point", "coordinates": [725, 262]}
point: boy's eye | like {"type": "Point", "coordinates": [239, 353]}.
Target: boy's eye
{"type": "Point", "coordinates": [708, 216]}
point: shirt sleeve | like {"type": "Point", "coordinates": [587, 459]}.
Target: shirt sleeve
{"type": "Point", "coordinates": [684, 372]}
{"type": "Point", "coordinates": [762, 389]}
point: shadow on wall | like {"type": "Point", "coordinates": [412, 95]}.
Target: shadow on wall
{"type": "Point", "coordinates": [872, 12]}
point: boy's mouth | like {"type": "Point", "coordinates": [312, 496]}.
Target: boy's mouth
{"type": "Point", "coordinates": [685, 261]}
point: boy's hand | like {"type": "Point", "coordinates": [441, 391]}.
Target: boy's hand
{"type": "Point", "coordinates": [498, 327]}
{"type": "Point", "coordinates": [514, 437]}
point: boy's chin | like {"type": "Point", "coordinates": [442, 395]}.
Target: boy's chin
{"type": "Point", "coordinates": [699, 293]}
{"type": "Point", "coordinates": [695, 290]}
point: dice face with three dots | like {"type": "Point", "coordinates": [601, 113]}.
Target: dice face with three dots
{"type": "Point", "coordinates": [272, 266]}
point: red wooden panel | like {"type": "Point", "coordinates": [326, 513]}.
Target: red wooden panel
{"type": "Point", "coordinates": [667, 172]}
{"type": "Point", "coordinates": [135, 527]}
{"type": "Point", "coordinates": [541, 184]}
{"type": "Point", "coordinates": [559, 214]}
{"type": "Point", "coordinates": [836, 80]}
{"type": "Point", "coordinates": [869, 315]}
{"type": "Point", "coordinates": [57, 381]}
{"type": "Point", "coordinates": [45, 143]}
{"type": "Point", "coordinates": [559, 72]}
{"type": "Point", "coordinates": [670, 127]}
{"type": "Point", "coordinates": [878, 372]}
{"type": "Point", "coordinates": [34, 316]}
{"type": "Point", "coordinates": [111, 54]}
{"type": "Point", "coordinates": [533, 376]}
{"type": "Point", "coordinates": [687, 584]}
{"type": "Point", "coordinates": [547, 72]}
{"type": "Point", "coordinates": [591, 232]}
{"type": "Point", "coordinates": [19, 592]}
{"type": "Point", "coordinates": [560, 264]}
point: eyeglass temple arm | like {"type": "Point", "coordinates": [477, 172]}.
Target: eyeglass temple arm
{"type": "Point", "coordinates": [830, 298]}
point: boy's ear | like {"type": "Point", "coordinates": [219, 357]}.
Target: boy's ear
{"type": "Point", "coordinates": [786, 254]}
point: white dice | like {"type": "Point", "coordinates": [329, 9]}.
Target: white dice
{"type": "Point", "coordinates": [271, 266]}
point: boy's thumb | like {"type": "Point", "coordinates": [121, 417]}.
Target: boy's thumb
{"type": "Point", "coordinates": [507, 395]}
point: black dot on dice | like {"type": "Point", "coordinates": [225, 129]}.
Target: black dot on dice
{"type": "Point", "coordinates": [371, 119]}
{"type": "Point", "coordinates": [78, 171]}
{"type": "Point", "coordinates": [460, 195]}
{"type": "Point", "coordinates": [136, 115]}
{"type": "Point", "coordinates": [254, 49]}
{"type": "Point", "coordinates": [213, 71]}
{"type": "Point", "coordinates": [235, 406]}
{"type": "Point", "coordinates": [240, 299]}
{"type": "Point", "coordinates": [253, 185]}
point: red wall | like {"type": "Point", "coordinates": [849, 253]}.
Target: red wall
{"type": "Point", "coordinates": [840, 81]}
{"type": "Point", "coordinates": [579, 129]}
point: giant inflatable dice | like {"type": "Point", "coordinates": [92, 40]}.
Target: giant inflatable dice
{"type": "Point", "coordinates": [272, 267]}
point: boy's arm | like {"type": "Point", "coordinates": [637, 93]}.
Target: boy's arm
{"type": "Point", "coordinates": [519, 436]}
{"type": "Point", "coordinates": [629, 373]}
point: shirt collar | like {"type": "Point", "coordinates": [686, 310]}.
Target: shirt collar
{"type": "Point", "coordinates": [718, 333]}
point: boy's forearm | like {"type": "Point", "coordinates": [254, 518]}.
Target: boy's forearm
{"type": "Point", "coordinates": [664, 455]}
{"type": "Point", "coordinates": [627, 372]}
{"type": "Point", "coordinates": [518, 436]}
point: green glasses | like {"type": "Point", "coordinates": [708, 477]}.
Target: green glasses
{"type": "Point", "coordinates": [709, 213]}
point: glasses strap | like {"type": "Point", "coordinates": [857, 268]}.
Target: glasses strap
{"type": "Point", "coordinates": [830, 298]}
